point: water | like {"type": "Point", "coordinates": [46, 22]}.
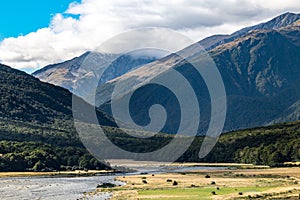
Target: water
{"type": "Point", "coordinates": [49, 188]}
{"type": "Point", "coordinates": [52, 188]}
{"type": "Point", "coordinates": [170, 169]}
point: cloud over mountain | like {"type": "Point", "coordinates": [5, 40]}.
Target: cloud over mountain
{"type": "Point", "coordinates": [85, 25]}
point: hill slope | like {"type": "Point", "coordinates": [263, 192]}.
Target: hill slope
{"type": "Point", "coordinates": [36, 128]}
{"type": "Point", "coordinates": [272, 145]}
{"type": "Point", "coordinates": [25, 98]}
{"type": "Point", "coordinates": [260, 77]}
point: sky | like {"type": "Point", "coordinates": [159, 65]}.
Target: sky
{"type": "Point", "coordinates": [36, 33]}
{"type": "Point", "coordinates": [22, 17]}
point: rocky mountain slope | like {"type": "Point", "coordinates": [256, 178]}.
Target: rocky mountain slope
{"type": "Point", "coordinates": [260, 71]}
{"type": "Point", "coordinates": [259, 66]}
{"type": "Point", "coordinates": [71, 76]}
{"type": "Point", "coordinates": [278, 22]}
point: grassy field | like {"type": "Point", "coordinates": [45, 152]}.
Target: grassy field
{"type": "Point", "coordinates": [267, 183]}
{"type": "Point", "coordinates": [194, 193]}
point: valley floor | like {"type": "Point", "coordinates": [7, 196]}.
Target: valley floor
{"type": "Point", "coordinates": [242, 183]}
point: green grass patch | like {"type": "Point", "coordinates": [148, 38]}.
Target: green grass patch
{"type": "Point", "coordinates": [194, 193]}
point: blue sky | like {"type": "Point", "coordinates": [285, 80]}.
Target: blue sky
{"type": "Point", "coordinates": [25, 16]}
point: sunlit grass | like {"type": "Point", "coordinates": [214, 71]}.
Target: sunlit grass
{"type": "Point", "coordinates": [194, 193]}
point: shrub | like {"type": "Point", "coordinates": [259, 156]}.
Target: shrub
{"type": "Point", "coordinates": [106, 185]}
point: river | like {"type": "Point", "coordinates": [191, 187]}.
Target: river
{"type": "Point", "coordinates": [70, 188]}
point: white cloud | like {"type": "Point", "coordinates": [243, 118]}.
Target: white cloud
{"type": "Point", "coordinates": [67, 37]}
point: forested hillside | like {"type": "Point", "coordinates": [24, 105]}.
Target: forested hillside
{"type": "Point", "coordinates": [271, 146]}
{"type": "Point", "coordinates": [37, 129]}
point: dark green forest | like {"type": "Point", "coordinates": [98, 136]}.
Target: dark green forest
{"type": "Point", "coordinates": [272, 145]}
{"type": "Point", "coordinates": [28, 147]}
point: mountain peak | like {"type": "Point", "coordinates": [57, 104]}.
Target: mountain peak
{"type": "Point", "coordinates": [288, 14]}
{"type": "Point", "coordinates": [75, 61]}
{"type": "Point", "coordinates": [275, 23]}
{"type": "Point", "coordinates": [283, 20]}
{"type": "Point", "coordinates": [278, 22]}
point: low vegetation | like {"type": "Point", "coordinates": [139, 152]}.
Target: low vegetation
{"type": "Point", "coordinates": [255, 184]}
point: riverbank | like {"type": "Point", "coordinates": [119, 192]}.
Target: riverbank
{"type": "Point", "coordinates": [56, 174]}
{"type": "Point", "coordinates": [263, 183]}
{"type": "Point", "coordinates": [129, 165]}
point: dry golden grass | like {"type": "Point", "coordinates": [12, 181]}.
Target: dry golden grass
{"type": "Point", "coordinates": [283, 192]}
{"type": "Point", "coordinates": [276, 182]}
{"type": "Point", "coordinates": [125, 195]}
{"type": "Point", "coordinates": [290, 171]}
{"type": "Point", "coordinates": [160, 180]}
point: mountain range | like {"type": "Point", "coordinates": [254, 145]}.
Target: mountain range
{"type": "Point", "coordinates": [278, 22]}
{"type": "Point", "coordinates": [260, 78]}
{"type": "Point", "coordinates": [99, 68]}
{"type": "Point", "coordinates": [260, 69]}
{"type": "Point", "coordinates": [37, 133]}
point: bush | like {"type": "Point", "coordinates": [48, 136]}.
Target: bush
{"type": "Point", "coordinates": [106, 185]}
